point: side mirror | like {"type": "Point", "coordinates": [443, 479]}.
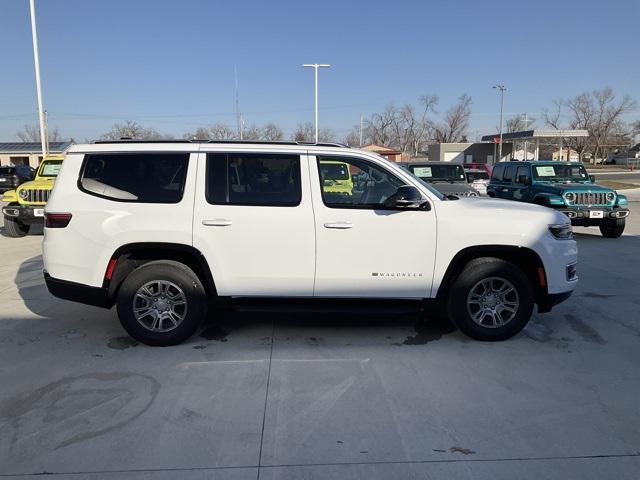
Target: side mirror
{"type": "Point", "coordinates": [408, 196]}
{"type": "Point", "coordinates": [592, 178]}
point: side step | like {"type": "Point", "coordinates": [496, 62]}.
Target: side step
{"type": "Point", "coordinates": [327, 305]}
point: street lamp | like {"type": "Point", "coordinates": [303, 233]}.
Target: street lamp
{"type": "Point", "coordinates": [36, 59]}
{"type": "Point", "coordinates": [316, 66]}
{"type": "Point", "coordinates": [502, 89]}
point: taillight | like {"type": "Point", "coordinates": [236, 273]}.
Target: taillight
{"type": "Point", "coordinates": [56, 220]}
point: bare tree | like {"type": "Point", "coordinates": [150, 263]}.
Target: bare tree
{"type": "Point", "coordinates": [31, 133]}
{"type": "Point", "coordinates": [306, 132]}
{"type": "Point", "coordinates": [200, 134]}
{"type": "Point", "coordinates": [599, 112]}
{"type": "Point", "coordinates": [520, 122]}
{"type": "Point", "coordinates": [456, 122]}
{"type": "Point", "coordinates": [133, 130]}
{"type": "Point", "coordinates": [251, 133]}
{"type": "Point", "coordinates": [271, 133]}
{"type": "Point", "coordinates": [222, 131]}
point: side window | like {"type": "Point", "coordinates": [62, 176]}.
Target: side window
{"type": "Point", "coordinates": [496, 174]}
{"type": "Point", "coordinates": [253, 179]}
{"type": "Point", "coordinates": [135, 177]}
{"type": "Point", "coordinates": [508, 173]}
{"type": "Point", "coordinates": [349, 182]}
{"type": "Point", "coordinates": [523, 171]}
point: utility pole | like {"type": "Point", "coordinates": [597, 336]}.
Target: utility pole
{"type": "Point", "coordinates": [361, 125]}
{"type": "Point", "coordinates": [36, 60]}
{"type": "Point", "coordinates": [502, 89]}
{"type": "Point", "coordinates": [316, 66]}
{"type": "Point", "coordinates": [241, 127]}
{"type": "Point", "coordinates": [238, 115]}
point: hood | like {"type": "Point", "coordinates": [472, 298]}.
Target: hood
{"type": "Point", "coordinates": [486, 208]}
{"type": "Point", "coordinates": [446, 187]}
{"type": "Point", "coordinates": [560, 188]}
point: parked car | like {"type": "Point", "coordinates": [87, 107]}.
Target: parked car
{"type": "Point", "coordinates": [167, 230]}
{"type": "Point", "coordinates": [446, 177]}
{"type": "Point", "coordinates": [12, 176]}
{"type": "Point", "coordinates": [478, 176]}
{"type": "Point", "coordinates": [564, 186]}
{"type": "Point", "coordinates": [26, 203]}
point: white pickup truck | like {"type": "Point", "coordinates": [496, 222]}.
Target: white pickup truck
{"type": "Point", "coordinates": [166, 230]}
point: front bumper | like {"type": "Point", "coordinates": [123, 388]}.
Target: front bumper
{"type": "Point", "coordinates": [28, 214]}
{"type": "Point", "coordinates": [77, 292]}
{"type": "Point", "coordinates": [591, 216]}
{"type": "Point", "coordinates": [547, 301]}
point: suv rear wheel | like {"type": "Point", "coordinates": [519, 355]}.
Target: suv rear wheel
{"type": "Point", "coordinates": [161, 303]}
{"type": "Point", "coordinates": [612, 228]}
{"type": "Point", "coordinates": [491, 299]}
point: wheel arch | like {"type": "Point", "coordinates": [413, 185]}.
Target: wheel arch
{"type": "Point", "coordinates": [524, 258]}
{"type": "Point", "coordinates": [133, 255]}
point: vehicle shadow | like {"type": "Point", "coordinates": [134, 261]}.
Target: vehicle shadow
{"type": "Point", "coordinates": [416, 327]}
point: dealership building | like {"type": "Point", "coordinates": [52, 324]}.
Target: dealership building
{"type": "Point", "coordinates": [28, 153]}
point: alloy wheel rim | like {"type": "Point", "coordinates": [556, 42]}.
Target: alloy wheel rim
{"type": "Point", "coordinates": [160, 306]}
{"type": "Point", "coordinates": [493, 302]}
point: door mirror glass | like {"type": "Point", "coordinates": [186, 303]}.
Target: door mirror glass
{"type": "Point", "coordinates": [592, 178]}
{"type": "Point", "coordinates": [408, 196]}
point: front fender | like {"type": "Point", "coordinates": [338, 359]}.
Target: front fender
{"type": "Point", "coordinates": [622, 200]}
{"type": "Point", "coordinates": [548, 200]}
{"type": "Point", "coordinates": [10, 196]}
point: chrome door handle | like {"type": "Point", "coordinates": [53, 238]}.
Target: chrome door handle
{"type": "Point", "coordinates": [339, 225]}
{"type": "Point", "coordinates": [505, 189]}
{"type": "Point", "coordinates": [217, 222]}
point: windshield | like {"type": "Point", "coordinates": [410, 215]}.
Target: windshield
{"type": "Point", "coordinates": [474, 175]}
{"type": "Point", "coordinates": [50, 168]}
{"type": "Point", "coordinates": [560, 173]}
{"type": "Point", "coordinates": [431, 173]}
{"type": "Point", "coordinates": [334, 171]}
{"type": "Point", "coordinates": [7, 170]}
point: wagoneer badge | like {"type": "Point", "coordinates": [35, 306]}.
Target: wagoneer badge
{"type": "Point", "coordinates": [396, 274]}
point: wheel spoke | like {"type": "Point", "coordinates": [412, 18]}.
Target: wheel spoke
{"type": "Point", "coordinates": [494, 297]}
{"type": "Point", "coordinates": [155, 303]}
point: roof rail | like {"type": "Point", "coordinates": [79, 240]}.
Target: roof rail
{"type": "Point", "coordinates": [230, 142]}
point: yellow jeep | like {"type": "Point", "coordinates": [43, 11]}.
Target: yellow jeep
{"type": "Point", "coordinates": [26, 203]}
{"type": "Point", "coordinates": [336, 177]}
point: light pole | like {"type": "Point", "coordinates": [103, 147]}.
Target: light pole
{"type": "Point", "coordinates": [36, 59]}
{"type": "Point", "coordinates": [315, 66]}
{"type": "Point", "coordinates": [502, 89]}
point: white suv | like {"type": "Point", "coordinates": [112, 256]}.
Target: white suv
{"type": "Point", "coordinates": [166, 230]}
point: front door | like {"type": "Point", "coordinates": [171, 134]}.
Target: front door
{"type": "Point", "coordinates": [365, 249]}
{"type": "Point", "coordinates": [253, 223]}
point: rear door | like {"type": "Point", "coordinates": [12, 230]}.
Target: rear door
{"type": "Point", "coordinates": [253, 220]}
{"type": "Point", "coordinates": [496, 184]}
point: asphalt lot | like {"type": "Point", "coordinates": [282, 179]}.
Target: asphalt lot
{"type": "Point", "coordinates": [291, 397]}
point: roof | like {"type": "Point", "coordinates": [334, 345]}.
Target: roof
{"type": "Point", "coordinates": [537, 162]}
{"type": "Point", "coordinates": [32, 147]}
{"type": "Point", "coordinates": [538, 134]}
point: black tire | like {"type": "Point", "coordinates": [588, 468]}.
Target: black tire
{"type": "Point", "coordinates": [473, 273]}
{"type": "Point", "coordinates": [612, 228]}
{"type": "Point", "coordinates": [14, 228]}
{"type": "Point", "coordinates": [168, 271]}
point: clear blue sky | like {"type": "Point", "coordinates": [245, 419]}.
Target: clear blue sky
{"type": "Point", "coordinates": [170, 64]}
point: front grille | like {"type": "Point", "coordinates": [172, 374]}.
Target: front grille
{"type": "Point", "coordinates": [463, 194]}
{"type": "Point", "coordinates": [590, 198]}
{"type": "Point", "coordinates": [37, 196]}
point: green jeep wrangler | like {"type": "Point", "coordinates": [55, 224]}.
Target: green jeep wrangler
{"type": "Point", "coordinates": [564, 186]}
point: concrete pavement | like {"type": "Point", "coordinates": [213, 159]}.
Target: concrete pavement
{"type": "Point", "coordinates": [290, 397]}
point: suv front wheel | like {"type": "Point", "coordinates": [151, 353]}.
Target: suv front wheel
{"type": "Point", "coordinates": [612, 227]}
{"type": "Point", "coordinates": [161, 303]}
{"type": "Point", "coordinates": [491, 299]}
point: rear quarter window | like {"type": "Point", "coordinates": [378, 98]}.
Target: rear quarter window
{"type": "Point", "coordinates": [135, 177]}
{"type": "Point", "coordinates": [508, 173]}
{"type": "Point", "coordinates": [497, 173]}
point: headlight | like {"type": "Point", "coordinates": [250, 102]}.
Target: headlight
{"type": "Point", "coordinates": [611, 197]}
{"type": "Point", "coordinates": [570, 197]}
{"type": "Point", "coordinates": [561, 231]}
{"type": "Point", "coordinates": [23, 194]}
